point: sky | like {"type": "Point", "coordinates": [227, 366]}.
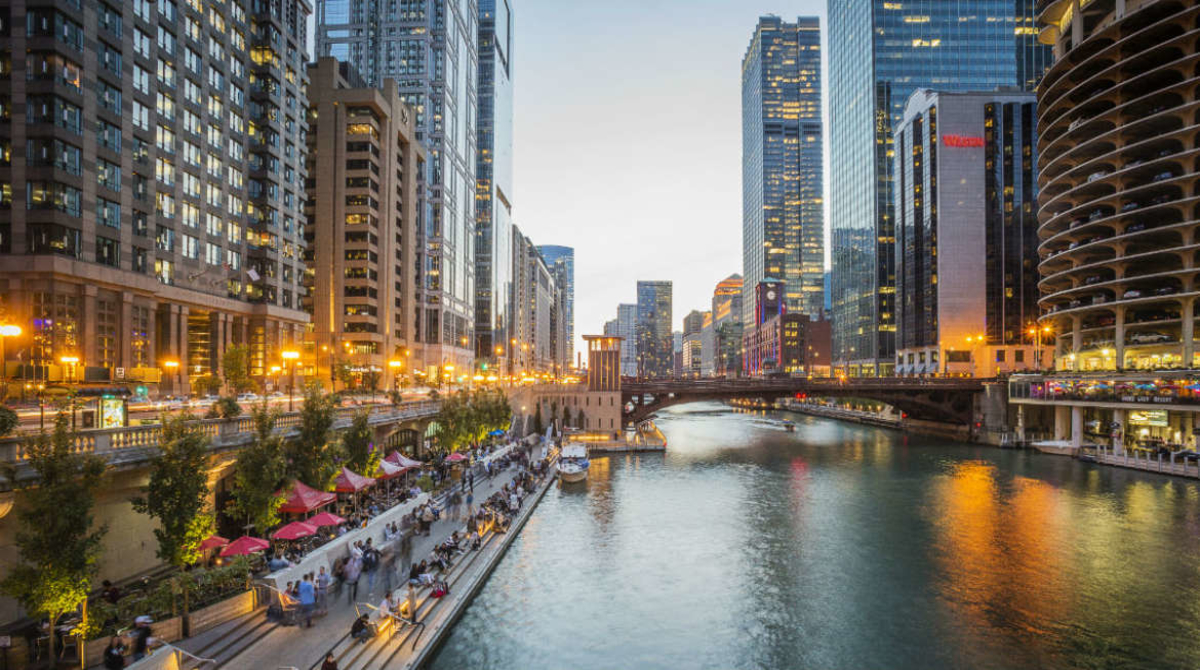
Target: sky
{"type": "Point", "coordinates": [627, 141]}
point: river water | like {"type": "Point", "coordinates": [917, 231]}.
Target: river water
{"type": "Point", "coordinates": [842, 546]}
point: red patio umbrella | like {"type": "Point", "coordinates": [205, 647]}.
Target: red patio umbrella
{"type": "Point", "coordinates": [402, 460]}
{"type": "Point", "coordinates": [456, 457]}
{"type": "Point", "coordinates": [304, 499]}
{"type": "Point", "coordinates": [388, 470]}
{"type": "Point", "coordinates": [244, 546]}
{"type": "Point", "coordinates": [212, 542]}
{"type": "Point", "coordinates": [325, 519]}
{"type": "Point", "coordinates": [351, 482]}
{"type": "Point", "coordinates": [294, 531]}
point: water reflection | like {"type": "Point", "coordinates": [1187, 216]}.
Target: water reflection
{"type": "Point", "coordinates": [843, 546]}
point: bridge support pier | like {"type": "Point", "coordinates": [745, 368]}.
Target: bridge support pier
{"type": "Point", "coordinates": [1076, 427]}
{"type": "Point", "coordinates": [1062, 423]}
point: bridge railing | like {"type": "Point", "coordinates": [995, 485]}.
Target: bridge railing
{"type": "Point", "coordinates": [222, 433]}
{"type": "Point", "coordinates": [799, 383]}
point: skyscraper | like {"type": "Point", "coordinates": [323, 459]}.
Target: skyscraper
{"type": "Point", "coordinates": [656, 350]}
{"type": "Point", "coordinates": [627, 328]}
{"type": "Point", "coordinates": [783, 226]}
{"type": "Point", "coordinates": [152, 170]}
{"type": "Point", "coordinates": [879, 53]}
{"type": "Point", "coordinates": [565, 257]}
{"type": "Point", "coordinates": [493, 180]}
{"type": "Point", "coordinates": [429, 48]}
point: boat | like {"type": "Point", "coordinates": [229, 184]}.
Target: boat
{"type": "Point", "coordinates": [573, 463]}
{"type": "Point", "coordinates": [788, 426]}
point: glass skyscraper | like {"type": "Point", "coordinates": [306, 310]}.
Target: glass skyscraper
{"type": "Point", "coordinates": [564, 258]}
{"type": "Point", "coordinates": [783, 224]}
{"type": "Point", "coordinates": [493, 181]}
{"type": "Point", "coordinates": [655, 342]}
{"type": "Point", "coordinates": [879, 53]}
{"type": "Point", "coordinates": [430, 48]}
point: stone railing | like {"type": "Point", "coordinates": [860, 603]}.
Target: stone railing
{"type": "Point", "coordinates": [133, 444]}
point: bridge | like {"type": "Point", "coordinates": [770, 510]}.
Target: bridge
{"type": "Point", "coordinates": [133, 446]}
{"type": "Point", "coordinates": [948, 399]}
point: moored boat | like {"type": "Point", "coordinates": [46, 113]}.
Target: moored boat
{"type": "Point", "coordinates": [573, 463]}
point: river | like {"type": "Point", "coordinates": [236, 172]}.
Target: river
{"type": "Point", "coordinates": [842, 546]}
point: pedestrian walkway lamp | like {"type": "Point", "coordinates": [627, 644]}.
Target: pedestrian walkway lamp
{"type": "Point", "coordinates": [173, 373]}
{"type": "Point", "coordinates": [395, 364]}
{"type": "Point", "coordinates": [289, 359]}
{"type": "Point", "coordinates": [5, 332]}
{"type": "Point", "coordinates": [71, 362]}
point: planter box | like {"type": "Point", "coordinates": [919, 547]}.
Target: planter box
{"type": "Point", "coordinates": [217, 614]}
{"type": "Point", "coordinates": [167, 630]}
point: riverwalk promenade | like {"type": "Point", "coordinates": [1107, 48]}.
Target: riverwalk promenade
{"type": "Point", "coordinates": [400, 646]}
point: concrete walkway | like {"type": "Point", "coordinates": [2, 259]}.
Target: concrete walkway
{"type": "Point", "coordinates": [294, 646]}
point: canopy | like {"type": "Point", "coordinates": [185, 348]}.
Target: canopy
{"type": "Point", "coordinates": [402, 460]}
{"type": "Point", "coordinates": [496, 433]}
{"type": "Point", "coordinates": [244, 546]}
{"type": "Point", "coordinates": [212, 542]}
{"type": "Point", "coordinates": [388, 469]}
{"type": "Point", "coordinates": [294, 531]}
{"type": "Point", "coordinates": [305, 499]}
{"type": "Point", "coordinates": [456, 457]}
{"type": "Point", "coordinates": [325, 519]}
{"type": "Point", "coordinates": [351, 482]}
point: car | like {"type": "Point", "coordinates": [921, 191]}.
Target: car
{"type": "Point", "coordinates": [1075, 303]}
{"type": "Point", "coordinates": [1078, 222]}
{"type": "Point", "coordinates": [1097, 214]}
{"type": "Point", "coordinates": [1130, 206]}
{"type": "Point", "coordinates": [1163, 176]}
{"type": "Point", "coordinates": [1075, 124]}
{"type": "Point", "coordinates": [247, 397]}
{"type": "Point", "coordinates": [1134, 227]}
{"type": "Point", "coordinates": [1132, 293]}
{"type": "Point", "coordinates": [1149, 338]}
{"type": "Point", "coordinates": [1074, 244]}
{"type": "Point", "coordinates": [1161, 199]}
{"type": "Point", "coordinates": [1099, 299]}
{"type": "Point", "coordinates": [1094, 279]}
{"type": "Point", "coordinates": [275, 394]}
{"type": "Point", "coordinates": [1097, 175]}
{"type": "Point", "coordinates": [1165, 290]}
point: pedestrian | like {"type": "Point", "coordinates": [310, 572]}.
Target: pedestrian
{"type": "Point", "coordinates": [330, 662]}
{"type": "Point", "coordinates": [361, 630]}
{"type": "Point", "coordinates": [427, 520]}
{"type": "Point", "coordinates": [351, 573]}
{"type": "Point", "coordinates": [308, 599]}
{"type": "Point", "coordinates": [322, 589]}
{"type": "Point", "coordinates": [370, 564]}
{"type": "Point", "coordinates": [472, 481]}
{"type": "Point", "coordinates": [388, 566]}
{"type": "Point", "coordinates": [470, 505]}
{"type": "Point", "coordinates": [455, 502]}
{"type": "Point", "coordinates": [114, 654]}
{"type": "Point", "coordinates": [141, 637]}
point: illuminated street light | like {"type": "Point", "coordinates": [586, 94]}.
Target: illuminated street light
{"type": "Point", "coordinates": [6, 331]}
{"type": "Point", "coordinates": [290, 357]}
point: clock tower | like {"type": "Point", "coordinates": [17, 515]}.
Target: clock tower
{"type": "Point", "coordinates": [768, 300]}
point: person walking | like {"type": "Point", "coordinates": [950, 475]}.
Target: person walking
{"type": "Point", "coordinates": [352, 571]}
{"type": "Point", "coordinates": [322, 589]}
{"type": "Point", "coordinates": [370, 565]}
{"type": "Point", "coordinates": [308, 599]}
{"type": "Point", "coordinates": [472, 481]}
{"type": "Point", "coordinates": [470, 505]}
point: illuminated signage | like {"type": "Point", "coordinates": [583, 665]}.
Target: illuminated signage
{"type": "Point", "coordinates": [1151, 417]}
{"type": "Point", "coordinates": [962, 141]}
{"type": "Point", "coordinates": [112, 413]}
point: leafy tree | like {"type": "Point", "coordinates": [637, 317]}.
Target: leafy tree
{"type": "Point", "coordinates": [310, 457]}
{"type": "Point", "coordinates": [580, 419]}
{"type": "Point", "coordinates": [259, 472]}
{"type": "Point", "coordinates": [467, 417]}
{"type": "Point", "coordinates": [177, 493]}
{"type": "Point", "coordinates": [8, 421]}
{"type": "Point", "coordinates": [357, 443]}
{"type": "Point", "coordinates": [235, 363]}
{"type": "Point", "coordinates": [224, 408]}
{"type": "Point", "coordinates": [371, 379]}
{"type": "Point", "coordinates": [207, 384]}
{"type": "Point", "coordinates": [538, 428]}
{"type": "Point", "coordinates": [345, 374]}
{"type": "Point", "coordinates": [566, 416]}
{"type": "Point", "coordinates": [58, 546]}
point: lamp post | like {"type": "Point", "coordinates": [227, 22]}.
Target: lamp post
{"type": "Point", "coordinates": [5, 332]}
{"type": "Point", "coordinates": [173, 372]}
{"type": "Point", "coordinates": [71, 362]}
{"type": "Point", "coordinates": [396, 364]}
{"type": "Point", "coordinates": [289, 359]}
{"type": "Point", "coordinates": [275, 369]}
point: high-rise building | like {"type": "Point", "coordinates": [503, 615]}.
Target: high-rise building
{"type": "Point", "coordinates": [655, 344]}
{"type": "Point", "coordinates": [693, 343]}
{"type": "Point", "coordinates": [783, 225]}
{"type": "Point", "coordinates": [364, 196]}
{"type": "Point", "coordinates": [430, 48]}
{"type": "Point", "coordinates": [493, 180]}
{"type": "Point", "coordinates": [727, 327]}
{"type": "Point", "coordinates": [539, 301]}
{"type": "Point", "coordinates": [564, 257]}
{"type": "Point", "coordinates": [627, 328]}
{"type": "Point", "coordinates": [156, 156]}
{"type": "Point", "coordinates": [966, 234]}
{"type": "Point", "coordinates": [879, 53]}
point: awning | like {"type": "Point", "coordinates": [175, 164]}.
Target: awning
{"type": "Point", "coordinates": [351, 482]}
{"type": "Point", "coordinates": [402, 460]}
{"type": "Point", "coordinates": [388, 470]}
{"type": "Point", "coordinates": [305, 499]}
{"type": "Point", "coordinates": [244, 546]}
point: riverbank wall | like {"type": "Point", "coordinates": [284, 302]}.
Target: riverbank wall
{"type": "Point", "coordinates": [887, 420]}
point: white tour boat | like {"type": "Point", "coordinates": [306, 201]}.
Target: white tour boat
{"type": "Point", "coordinates": [573, 463]}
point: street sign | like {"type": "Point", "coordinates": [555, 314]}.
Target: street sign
{"type": "Point", "coordinates": [120, 373]}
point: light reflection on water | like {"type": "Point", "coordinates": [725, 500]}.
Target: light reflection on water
{"type": "Point", "coordinates": [842, 546]}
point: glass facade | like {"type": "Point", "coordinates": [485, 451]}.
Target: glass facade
{"type": "Point", "coordinates": [563, 259]}
{"type": "Point", "coordinates": [783, 227]}
{"type": "Point", "coordinates": [430, 48]}
{"type": "Point", "coordinates": [655, 342]}
{"type": "Point", "coordinates": [880, 52]}
{"type": "Point", "coordinates": [493, 181]}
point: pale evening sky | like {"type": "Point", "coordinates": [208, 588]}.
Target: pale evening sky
{"type": "Point", "coordinates": [627, 141]}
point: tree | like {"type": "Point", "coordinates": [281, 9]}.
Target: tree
{"type": "Point", "coordinates": [207, 384]}
{"type": "Point", "coordinates": [177, 493]}
{"type": "Point", "coordinates": [371, 379]}
{"type": "Point", "coordinates": [224, 408]}
{"type": "Point", "coordinates": [259, 472]}
{"type": "Point", "coordinates": [358, 445]}
{"type": "Point", "coordinates": [566, 416]}
{"type": "Point", "coordinates": [310, 457]}
{"type": "Point", "coordinates": [538, 428]}
{"type": "Point", "coordinates": [58, 546]}
{"type": "Point", "coordinates": [580, 419]}
{"type": "Point", "coordinates": [235, 363]}
{"type": "Point", "coordinates": [8, 421]}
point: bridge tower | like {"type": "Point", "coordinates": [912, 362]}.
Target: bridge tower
{"type": "Point", "coordinates": [604, 362]}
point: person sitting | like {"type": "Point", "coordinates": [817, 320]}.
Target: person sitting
{"type": "Point", "coordinates": [277, 563]}
{"type": "Point", "coordinates": [361, 629]}
{"type": "Point", "coordinates": [110, 593]}
{"type": "Point", "coordinates": [114, 654]}
{"type": "Point", "coordinates": [476, 541]}
{"type": "Point", "coordinates": [440, 589]}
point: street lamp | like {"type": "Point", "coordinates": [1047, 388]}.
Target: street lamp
{"type": "Point", "coordinates": [275, 370]}
{"type": "Point", "coordinates": [173, 371]}
{"type": "Point", "coordinates": [289, 359]}
{"type": "Point", "coordinates": [71, 362]}
{"type": "Point", "coordinates": [5, 331]}
{"type": "Point", "coordinates": [395, 364]}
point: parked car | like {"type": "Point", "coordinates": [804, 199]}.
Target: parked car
{"type": "Point", "coordinates": [1134, 227]}
{"type": "Point", "coordinates": [1163, 176]}
{"type": "Point", "coordinates": [1097, 214]}
{"type": "Point", "coordinates": [1097, 175]}
{"type": "Point", "coordinates": [248, 397]}
{"type": "Point", "coordinates": [1149, 338]}
{"type": "Point", "coordinates": [1099, 299]}
{"type": "Point", "coordinates": [1161, 199]}
{"type": "Point", "coordinates": [1166, 290]}
{"type": "Point", "coordinates": [1130, 206]}
{"type": "Point", "coordinates": [1093, 279]}
{"type": "Point", "coordinates": [1132, 293]}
